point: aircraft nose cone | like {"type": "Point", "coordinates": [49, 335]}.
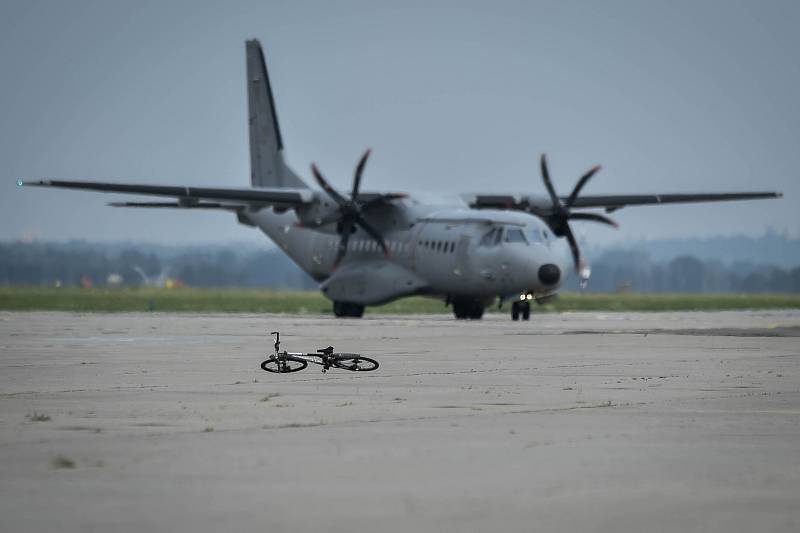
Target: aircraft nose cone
{"type": "Point", "coordinates": [549, 274]}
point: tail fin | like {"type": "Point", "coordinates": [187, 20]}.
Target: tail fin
{"type": "Point", "coordinates": [267, 167]}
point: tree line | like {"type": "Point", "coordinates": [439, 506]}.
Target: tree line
{"type": "Point", "coordinates": [76, 263]}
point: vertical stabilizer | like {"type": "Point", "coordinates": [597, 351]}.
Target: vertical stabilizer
{"type": "Point", "coordinates": [267, 167]}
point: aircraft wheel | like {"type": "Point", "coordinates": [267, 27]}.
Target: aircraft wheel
{"type": "Point", "coordinates": [460, 310]}
{"type": "Point", "coordinates": [348, 310]}
{"type": "Point", "coordinates": [526, 310]}
{"type": "Point", "coordinates": [515, 311]}
{"type": "Point", "coordinates": [467, 309]}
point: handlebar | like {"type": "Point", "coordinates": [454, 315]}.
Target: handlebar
{"type": "Point", "coordinates": [277, 340]}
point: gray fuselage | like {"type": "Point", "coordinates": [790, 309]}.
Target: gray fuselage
{"type": "Point", "coordinates": [438, 247]}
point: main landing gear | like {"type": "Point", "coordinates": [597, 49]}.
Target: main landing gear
{"type": "Point", "coordinates": [348, 310]}
{"type": "Point", "coordinates": [467, 308]}
{"type": "Point", "coordinates": [520, 308]}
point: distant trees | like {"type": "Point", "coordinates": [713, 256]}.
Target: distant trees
{"type": "Point", "coordinates": [50, 264]}
{"type": "Point", "coordinates": [55, 264]}
{"type": "Point", "coordinates": [634, 270]}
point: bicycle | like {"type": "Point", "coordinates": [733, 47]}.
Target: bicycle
{"type": "Point", "coordinates": [283, 362]}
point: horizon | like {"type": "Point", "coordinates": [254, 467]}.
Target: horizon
{"type": "Point", "coordinates": [263, 240]}
{"type": "Point", "coordinates": [772, 248]}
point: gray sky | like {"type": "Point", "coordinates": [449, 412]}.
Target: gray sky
{"type": "Point", "coordinates": [464, 96]}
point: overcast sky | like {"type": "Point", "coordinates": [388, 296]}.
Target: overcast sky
{"type": "Point", "coordinates": [667, 96]}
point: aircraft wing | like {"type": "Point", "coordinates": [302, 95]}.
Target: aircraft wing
{"type": "Point", "coordinates": [614, 202]}
{"type": "Point", "coordinates": [191, 197]}
{"type": "Point", "coordinates": [542, 205]}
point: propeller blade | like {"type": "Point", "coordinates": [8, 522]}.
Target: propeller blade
{"type": "Point", "coordinates": [375, 234]}
{"type": "Point", "coordinates": [338, 198]}
{"type": "Point", "coordinates": [347, 230]}
{"type": "Point", "coordinates": [549, 185]}
{"type": "Point", "coordinates": [573, 246]}
{"type": "Point", "coordinates": [359, 171]}
{"type": "Point", "coordinates": [594, 217]}
{"type": "Point", "coordinates": [581, 182]}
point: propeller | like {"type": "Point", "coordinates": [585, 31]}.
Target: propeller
{"type": "Point", "coordinates": [561, 214]}
{"type": "Point", "coordinates": [351, 210]}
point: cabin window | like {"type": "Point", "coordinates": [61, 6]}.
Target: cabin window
{"type": "Point", "coordinates": [515, 235]}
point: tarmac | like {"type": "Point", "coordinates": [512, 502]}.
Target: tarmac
{"type": "Point", "coordinates": [570, 422]}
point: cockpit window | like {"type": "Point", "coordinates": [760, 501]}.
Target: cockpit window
{"type": "Point", "coordinates": [515, 235]}
{"type": "Point", "coordinates": [489, 238]}
{"type": "Point", "coordinates": [534, 235]}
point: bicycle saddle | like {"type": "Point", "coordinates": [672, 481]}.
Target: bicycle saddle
{"type": "Point", "coordinates": [326, 351]}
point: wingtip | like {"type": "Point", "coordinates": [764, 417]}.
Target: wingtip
{"type": "Point", "coordinates": [22, 182]}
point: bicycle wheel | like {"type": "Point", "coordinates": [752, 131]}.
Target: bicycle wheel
{"type": "Point", "coordinates": [356, 363]}
{"type": "Point", "coordinates": [284, 364]}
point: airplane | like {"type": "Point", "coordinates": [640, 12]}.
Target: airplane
{"type": "Point", "coordinates": [370, 248]}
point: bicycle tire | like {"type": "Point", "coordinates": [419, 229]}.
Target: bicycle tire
{"type": "Point", "coordinates": [284, 364]}
{"type": "Point", "coordinates": [355, 363]}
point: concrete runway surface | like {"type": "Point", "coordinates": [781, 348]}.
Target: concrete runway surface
{"type": "Point", "coordinates": [572, 422]}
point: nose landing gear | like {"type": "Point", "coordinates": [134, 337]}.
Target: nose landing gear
{"type": "Point", "coordinates": [521, 308]}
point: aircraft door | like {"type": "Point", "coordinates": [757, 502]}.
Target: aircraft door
{"type": "Point", "coordinates": [321, 255]}
{"type": "Point", "coordinates": [462, 256]}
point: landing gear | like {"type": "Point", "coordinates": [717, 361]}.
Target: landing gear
{"type": "Point", "coordinates": [348, 310]}
{"type": "Point", "coordinates": [521, 308]}
{"type": "Point", "coordinates": [468, 309]}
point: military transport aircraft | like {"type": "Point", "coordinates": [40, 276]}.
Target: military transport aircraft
{"type": "Point", "coordinates": [369, 248]}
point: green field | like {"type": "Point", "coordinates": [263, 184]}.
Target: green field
{"type": "Point", "coordinates": [312, 302]}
